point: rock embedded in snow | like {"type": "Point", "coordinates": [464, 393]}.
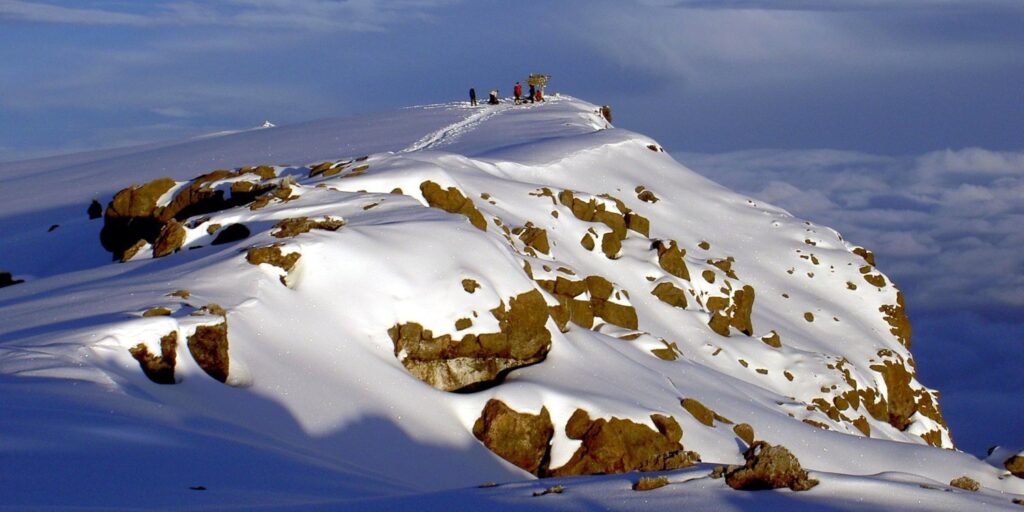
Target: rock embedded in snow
{"type": "Point", "coordinates": [769, 467]}
{"type": "Point", "coordinates": [617, 445]}
{"type": "Point", "coordinates": [520, 438]}
{"type": "Point", "coordinates": [1015, 465]}
{"type": "Point", "coordinates": [159, 368]}
{"type": "Point", "coordinates": [460, 363]}
{"type": "Point", "coordinates": [209, 347]}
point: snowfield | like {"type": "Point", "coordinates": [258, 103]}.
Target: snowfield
{"type": "Point", "coordinates": [325, 322]}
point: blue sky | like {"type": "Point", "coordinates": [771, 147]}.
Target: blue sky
{"type": "Point", "coordinates": [893, 84]}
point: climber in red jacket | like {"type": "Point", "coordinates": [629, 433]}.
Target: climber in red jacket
{"type": "Point", "coordinates": [518, 92]}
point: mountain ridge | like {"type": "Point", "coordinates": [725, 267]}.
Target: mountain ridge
{"type": "Point", "coordinates": [636, 284]}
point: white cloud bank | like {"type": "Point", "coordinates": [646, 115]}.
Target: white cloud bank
{"type": "Point", "coordinates": [946, 225]}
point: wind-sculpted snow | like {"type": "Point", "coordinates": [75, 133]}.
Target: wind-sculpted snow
{"type": "Point", "coordinates": [406, 321]}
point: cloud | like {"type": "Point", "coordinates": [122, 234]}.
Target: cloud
{"type": "Point", "coordinates": [945, 225]}
{"type": "Point", "coordinates": [836, 5]}
{"type": "Point", "coordinates": [313, 15]}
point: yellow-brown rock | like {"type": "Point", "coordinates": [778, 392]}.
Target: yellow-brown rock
{"type": "Point", "coordinates": [452, 201]}
{"type": "Point", "coordinates": [669, 294]}
{"type": "Point", "coordinates": [209, 347]}
{"type": "Point", "coordinates": [520, 438]}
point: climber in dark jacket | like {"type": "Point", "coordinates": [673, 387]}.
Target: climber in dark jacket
{"type": "Point", "coordinates": [472, 96]}
{"type": "Point", "coordinates": [533, 92]}
{"type": "Point", "coordinates": [494, 97]}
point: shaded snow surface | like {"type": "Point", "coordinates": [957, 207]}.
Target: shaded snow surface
{"type": "Point", "coordinates": [319, 413]}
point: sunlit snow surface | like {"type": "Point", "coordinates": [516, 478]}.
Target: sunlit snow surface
{"type": "Point", "coordinates": [321, 414]}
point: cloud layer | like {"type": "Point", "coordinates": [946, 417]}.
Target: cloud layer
{"type": "Point", "coordinates": [946, 228]}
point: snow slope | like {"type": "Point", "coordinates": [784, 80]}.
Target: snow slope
{"type": "Point", "coordinates": [318, 410]}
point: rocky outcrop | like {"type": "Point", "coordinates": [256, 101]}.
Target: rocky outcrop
{"type": "Point", "coordinates": [209, 347]}
{"type": "Point", "coordinates": [618, 445]}
{"type": "Point", "coordinates": [472, 361]}
{"type": "Point", "coordinates": [7, 279]}
{"type": "Point", "coordinates": [702, 413]}
{"type": "Point", "coordinates": [649, 483]}
{"type": "Point", "coordinates": [231, 233]}
{"type": "Point", "coordinates": [669, 294]}
{"type": "Point", "coordinates": [272, 255]}
{"type": "Point", "coordinates": [159, 369]}
{"type": "Point", "coordinates": [296, 226]}
{"type": "Point", "coordinates": [896, 316]}
{"type": "Point", "coordinates": [1015, 465]}
{"type": "Point", "coordinates": [134, 214]}
{"type": "Point", "coordinates": [769, 467]}
{"type": "Point", "coordinates": [170, 239]}
{"type": "Point", "coordinates": [600, 303]}
{"type": "Point", "coordinates": [670, 259]}
{"type": "Point", "coordinates": [520, 438]}
{"type": "Point", "coordinates": [452, 201]}
{"type": "Point", "coordinates": [734, 313]}
{"type": "Point", "coordinates": [966, 483]}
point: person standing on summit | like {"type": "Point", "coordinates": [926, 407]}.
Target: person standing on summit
{"type": "Point", "coordinates": [517, 91]}
{"type": "Point", "coordinates": [472, 96]}
{"type": "Point", "coordinates": [533, 91]}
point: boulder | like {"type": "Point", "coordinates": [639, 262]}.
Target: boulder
{"type": "Point", "coordinates": [159, 369]}
{"type": "Point", "coordinates": [522, 439]}
{"type": "Point", "coordinates": [618, 445]}
{"type": "Point", "coordinates": [209, 347]}
{"type": "Point", "coordinates": [769, 467]}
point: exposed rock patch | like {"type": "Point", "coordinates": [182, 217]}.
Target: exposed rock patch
{"type": "Point", "coordinates": [1015, 465]}
{"type": "Point", "coordinates": [170, 239]}
{"type": "Point", "coordinates": [159, 369]}
{"type": "Point", "coordinates": [734, 313]}
{"type": "Point", "coordinates": [896, 316]}
{"type": "Point", "coordinates": [670, 259]}
{"type": "Point", "coordinates": [6, 279]}
{"type": "Point", "coordinates": [649, 483]}
{"type": "Point", "coordinates": [617, 446]}
{"type": "Point", "coordinates": [583, 312]}
{"type": "Point", "coordinates": [232, 233]}
{"type": "Point", "coordinates": [966, 483]}
{"type": "Point", "coordinates": [159, 311]}
{"type": "Point", "coordinates": [669, 294]}
{"type": "Point", "coordinates": [209, 347]}
{"type": "Point", "coordinates": [452, 201]}
{"type": "Point", "coordinates": [133, 214]}
{"type": "Point", "coordinates": [769, 467]}
{"type": "Point", "coordinates": [296, 226]}
{"type": "Point", "coordinates": [472, 361]}
{"type": "Point", "coordinates": [272, 255]}
{"type": "Point", "coordinates": [520, 438]}
{"type": "Point", "coordinates": [702, 413]}
{"type": "Point", "coordinates": [744, 432]}
{"type": "Point", "coordinates": [772, 340]}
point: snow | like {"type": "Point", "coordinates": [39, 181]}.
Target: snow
{"type": "Point", "coordinates": [319, 413]}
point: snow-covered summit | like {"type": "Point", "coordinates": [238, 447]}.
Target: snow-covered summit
{"type": "Point", "coordinates": [360, 311]}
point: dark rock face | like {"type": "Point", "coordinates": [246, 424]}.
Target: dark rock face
{"type": "Point", "coordinates": [6, 279]}
{"type": "Point", "coordinates": [468, 362]}
{"type": "Point", "coordinates": [520, 438]}
{"type": "Point", "coordinates": [159, 369]}
{"type": "Point", "coordinates": [769, 467]}
{"type": "Point", "coordinates": [617, 446]}
{"type": "Point", "coordinates": [209, 347]}
{"type": "Point", "coordinates": [232, 233]}
{"type": "Point", "coordinates": [95, 210]}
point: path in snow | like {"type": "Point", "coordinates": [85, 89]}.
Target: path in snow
{"type": "Point", "coordinates": [450, 133]}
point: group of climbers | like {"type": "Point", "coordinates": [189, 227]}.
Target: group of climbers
{"type": "Point", "coordinates": [536, 94]}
